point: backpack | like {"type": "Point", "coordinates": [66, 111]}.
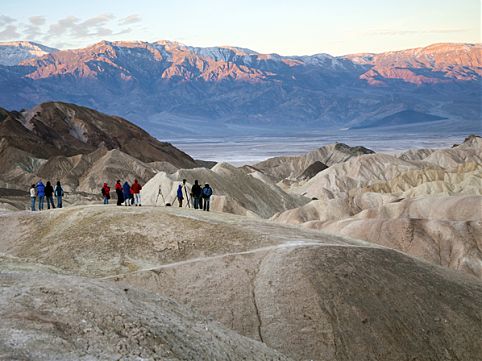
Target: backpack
{"type": "Point", "coordinates": [207, 192]}
{"type": "Point", "coordinates": [59, 192]}
{"type": "Point", "coordinates": [102, 191]}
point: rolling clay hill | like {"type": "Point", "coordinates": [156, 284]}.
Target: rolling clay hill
{"type": "Point", "coordinates": [49, 316]}
{"type": "Point", "coordinates": [305, 294]}
{"type": "Point", "coordinates": [296, 166]}
{"type": "Point", "coordinates": [234, 191]}
{"type": "Point", "coordinates": [426, 203]}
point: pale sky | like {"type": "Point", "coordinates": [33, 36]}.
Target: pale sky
{"type": "Point", "coordinates": [297, 27]}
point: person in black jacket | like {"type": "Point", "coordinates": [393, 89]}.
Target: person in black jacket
{"type": "Point", "coordinates": [59, 193]}
{"type": "Point", "coordinates": [49, 194]}
{"type": "Point", "coordinates": [197, 192]}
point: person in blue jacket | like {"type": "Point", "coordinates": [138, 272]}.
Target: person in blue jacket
{"type": "Point", "coordinates": [126, 190]}
{"type": "Point", "coordinates": [40, 194]}
{"type": "Point", "coordinates": [207, 193]}
{"type": "Point", "coordinates": [180, 197]}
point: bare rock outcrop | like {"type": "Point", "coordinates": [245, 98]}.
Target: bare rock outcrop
{"type": "Point", "coordinates": [312, 170]}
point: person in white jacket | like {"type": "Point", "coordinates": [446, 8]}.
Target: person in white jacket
{"type": "Point", "coordinates": [33, 196]}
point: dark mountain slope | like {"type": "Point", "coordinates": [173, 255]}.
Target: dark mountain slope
{"type": "Point", "coordinates": [55, 128]}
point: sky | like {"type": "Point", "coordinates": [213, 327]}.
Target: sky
{"type": "Point", "coordinates": [286, 27]}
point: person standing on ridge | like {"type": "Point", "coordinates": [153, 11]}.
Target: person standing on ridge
{"type": "Point", "coordinates": [131, 198]}
{"type": "Point", "coordinates": [136, 189]}
{"type": "Point", "coordinates": [207, 193]}
{"type": "Point", "coordinates": [180, 197]}
{"type": "Point", "coordinates": [41, 195]}
{"type": "Point", "coordinates": [118, 191]}
{"type": "Point", "coordinates": [33, 197]}
{"type": "Point", "coordinates": [106, 193]}
{"type": "Point", "coordinates": [59, 193]}
{"type": "Point", "coordinates": [49, 194]}
{"type": "Point", "coordinates": [196, 191]}
{"type": "Point", "coordinates": [126, 192]}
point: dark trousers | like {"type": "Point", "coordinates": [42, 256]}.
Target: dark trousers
{"type": "Point", "coordinates": [197, 202]}
{"type": "Point", "coordinates": [120, 197]}
{"type": "Point", "coordinates": [206, 202]}
{"type": "Point", "coordinates": [50, 201]}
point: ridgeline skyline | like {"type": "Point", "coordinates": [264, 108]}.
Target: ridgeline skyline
{"type": "Point", "coordinates": [305, 28]}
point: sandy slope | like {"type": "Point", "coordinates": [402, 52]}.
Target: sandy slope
{"type": "Point", "coordinates": [48, 316]}
{"type": "Point", "coordinates": [304, 293]}
{"type": "Point", "coordinates": [234, 191]}
{"type": "Point", "coordinates": [441, 230]}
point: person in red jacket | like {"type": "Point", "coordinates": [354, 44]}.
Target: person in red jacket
{"type": "Point", "coordinates": [136, 189]}
{"type": "Point", "coordinates": [106, 193]}
{"type": "Point", "coordinates": [119, 192]}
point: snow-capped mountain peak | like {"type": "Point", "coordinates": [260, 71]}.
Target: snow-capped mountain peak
{"type": "Point", "coordinates": [14, 52]}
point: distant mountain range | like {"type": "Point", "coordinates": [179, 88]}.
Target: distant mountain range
{"type": "Point", "coordinates": [172, 89]}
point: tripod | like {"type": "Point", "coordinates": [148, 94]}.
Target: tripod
{"type": "Point", "coordinates": [188, 201]}
{"type": "Point", "coordinates": [162, 195]}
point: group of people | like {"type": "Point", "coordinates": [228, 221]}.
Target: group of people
{"type": "Point", "coordinates": [200, 196]}
{"type": "Point", "coordinates": [42, 192]}
{"type": "Point", "coordinates": [126, 194]}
